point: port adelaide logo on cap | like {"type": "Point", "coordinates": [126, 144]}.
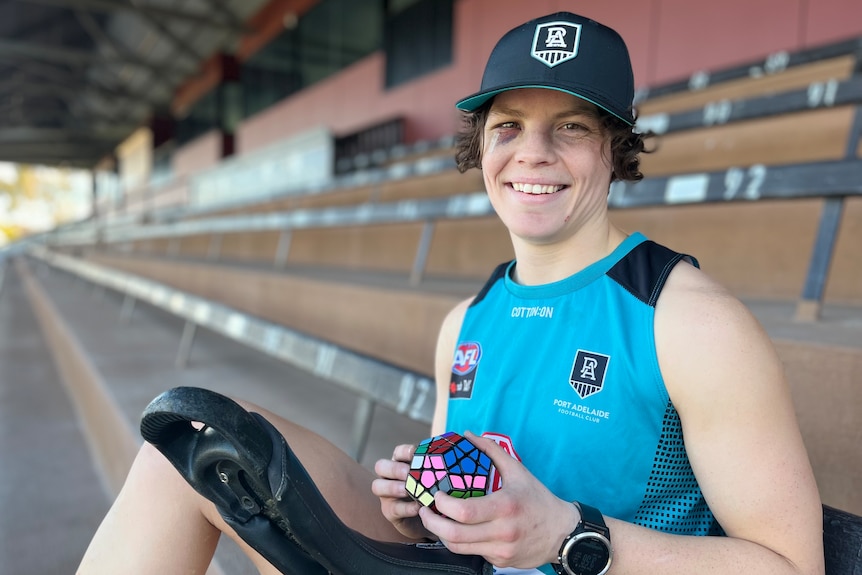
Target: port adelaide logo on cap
{"type": "Point", "coordinates": [556, 42]}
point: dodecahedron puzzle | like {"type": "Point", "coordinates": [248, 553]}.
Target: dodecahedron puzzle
{"type": "Point", "coordinates": [448, 463]}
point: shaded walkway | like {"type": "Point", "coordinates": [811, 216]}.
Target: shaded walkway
{"type": "Point", "coordinates": [51, 497]}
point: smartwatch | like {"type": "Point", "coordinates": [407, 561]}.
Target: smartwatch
{"type": "Point", "coordinates": [587, 550]}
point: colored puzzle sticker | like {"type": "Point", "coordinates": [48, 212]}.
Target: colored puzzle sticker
{"type": "Point", "coordinates": [449, 463]}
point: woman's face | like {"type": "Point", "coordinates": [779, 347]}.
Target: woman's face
{"type": "Point", "coordinates": [545, 162]}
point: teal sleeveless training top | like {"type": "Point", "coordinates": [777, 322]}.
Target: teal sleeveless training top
{"type": "Point", "coordinates": [565, 375]}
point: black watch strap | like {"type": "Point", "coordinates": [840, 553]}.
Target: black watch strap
{"type": "Point", "coordinates": [593, 520]}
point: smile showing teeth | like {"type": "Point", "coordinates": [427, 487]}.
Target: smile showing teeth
{"type": "Point", "coordinates": [536, 188]}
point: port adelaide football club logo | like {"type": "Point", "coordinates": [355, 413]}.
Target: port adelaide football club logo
{"type": "Point", "coordinates": [464, 368]}
{"type": "Point", "coordinates": [556, 42]}
{"type": "Point", "coordinates": [588, 372]}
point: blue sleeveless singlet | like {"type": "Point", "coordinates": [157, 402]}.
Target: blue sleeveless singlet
{"type": "Point", "coordinates": [566, 376]}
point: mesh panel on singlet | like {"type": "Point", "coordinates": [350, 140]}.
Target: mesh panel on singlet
{"type": "Point", "coordinates": [673, 501]}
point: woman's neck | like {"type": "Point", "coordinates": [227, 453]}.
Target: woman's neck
{"type": "Point", "coordinates": [539, 264]}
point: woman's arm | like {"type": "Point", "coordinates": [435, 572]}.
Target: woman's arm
{"type": "Point", "coordinates": [443, 357]}
{"type": "Point", "coordinates": [739, 424]}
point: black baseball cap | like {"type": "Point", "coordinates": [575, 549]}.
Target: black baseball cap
{"type": "Point", "coordinates": [564, 52]}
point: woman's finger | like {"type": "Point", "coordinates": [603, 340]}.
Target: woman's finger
{"type": "Point", "coordinates": [389, 469]}
{"type": "Point", "coordinates": [403, 453]}
{"type": "Point", "coordinates": [388, 488]}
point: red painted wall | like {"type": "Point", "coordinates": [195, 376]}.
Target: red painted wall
{"type": "Point", "coordinates": [826, 21]}
{"type": "Point", "coordinates": [668, 40]}
{"type": "Point", "coordinates": [690, 36]}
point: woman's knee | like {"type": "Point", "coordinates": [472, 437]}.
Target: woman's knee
{"type": "Point", "coordinates": [154, 481]}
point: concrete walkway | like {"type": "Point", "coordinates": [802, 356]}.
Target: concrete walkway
{"type": "Point", "coordinates": [52, 499]}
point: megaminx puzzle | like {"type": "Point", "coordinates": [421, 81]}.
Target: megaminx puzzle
{"type": "Point", "coordinates": [449, 463]}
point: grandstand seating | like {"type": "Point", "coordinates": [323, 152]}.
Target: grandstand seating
{"type": "Point", "coordinates": [819, 122]}
{"type": "Point", "coordinates": [380, 288]}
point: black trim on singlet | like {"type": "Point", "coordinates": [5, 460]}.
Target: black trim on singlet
{"type": "Point", "coordinates": [499, 272]}
{"type": "Point", "coordinates": [672, 501]}
{"type": "Point", "coordinates": [644, 270]}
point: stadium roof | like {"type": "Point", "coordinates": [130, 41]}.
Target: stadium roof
{"type": "Point", "coordinates": [79, 76]}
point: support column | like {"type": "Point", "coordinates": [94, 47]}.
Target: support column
{"type": "Point", "coordinates": [809, 306]}
{"type": "Point", "coordinates": [422, 253]}
{"type": "Point", "coordinates": [362, 426]}
{"type": "Point", "coordinates": [186, 341]}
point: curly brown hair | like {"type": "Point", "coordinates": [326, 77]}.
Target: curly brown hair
{"type": "Point", "coordinates": [626, 143]}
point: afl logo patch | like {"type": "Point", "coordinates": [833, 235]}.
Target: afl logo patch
{"type": "Point", "coordinates": [588, 372]}
{"type": "Point", "coordinates": [505, 442]}
{"type": "Point", "coordinates": [556, 42]}
{"type": "Point", "coordinates": [464, 369]}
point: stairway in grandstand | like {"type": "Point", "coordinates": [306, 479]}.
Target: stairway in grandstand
{"type": "Point", "coordinates": [324, 306]}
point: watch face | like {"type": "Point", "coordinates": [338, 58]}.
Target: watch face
{"type": "Point", "coordinates": [589, 556]}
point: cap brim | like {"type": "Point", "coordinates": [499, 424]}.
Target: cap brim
{"type": "Point", "coordinates": [475, 101]}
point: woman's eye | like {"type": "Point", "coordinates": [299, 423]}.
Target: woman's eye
{"type": "Point", "coordinates": [575, 127]}
{"type": "Point", "coordinates": [507, 125]}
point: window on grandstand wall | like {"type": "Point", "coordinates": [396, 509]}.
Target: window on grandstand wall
{"type": "Point", "coordinates": [202, 117]}
{"type": "Point", "coordinates": [163, 171]}
{"type": "Point", "coordinates": [329, 37]}
{"type": "Point", "coordinates": [218, 109]}
{"type": "Point", "coordinates": [417, 38]}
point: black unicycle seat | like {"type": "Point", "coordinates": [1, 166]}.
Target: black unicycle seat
{"type": "Point", "coordinates": [241, 463]}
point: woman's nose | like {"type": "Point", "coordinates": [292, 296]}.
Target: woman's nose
{"type": "Point", "coordinates": [535, 147]}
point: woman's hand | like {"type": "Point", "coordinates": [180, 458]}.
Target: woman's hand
{"type": "Point", "coordinates": [521, 525]}
{"type": "Point", "coordinates": [398, 507]}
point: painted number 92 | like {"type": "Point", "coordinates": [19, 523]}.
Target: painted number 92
{"type": "Point", "coordinates": [742, 184]}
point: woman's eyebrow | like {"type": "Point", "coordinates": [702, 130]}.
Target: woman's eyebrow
{"type": "Point", "coordinates": [499, 111]}
{"type": "Point", "coordinates": [586, 111]}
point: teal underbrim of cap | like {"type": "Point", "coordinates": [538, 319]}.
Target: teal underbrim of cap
{"type": "Point", "coordinates": [474, 102]}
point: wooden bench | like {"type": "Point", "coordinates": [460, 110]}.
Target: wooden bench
{"type": "Point", "coordinates": [738, 124]}
{"type": "Point", "coordinates": [385, 178]}
{"type": "Point", "coordinates": [374, 382]}
{"type": "Point", "coordinates": [735, 126]}
{"type": "Point", "coordinates": [787, 111]}
{"type": "Point", "coordinates": [773, 65]}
